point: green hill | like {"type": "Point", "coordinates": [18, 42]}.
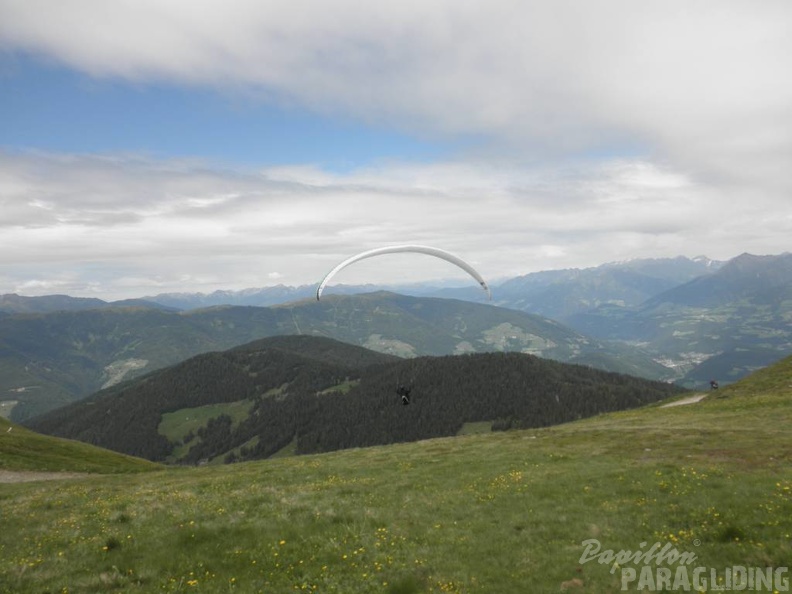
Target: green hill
{"type": "Point", "coordinates": [50, 359]}
{"type": "Point", "coordinates": [24, 450]}
{"type": "Point", "coordinates": [513, 511]}
{"type": "Point", "coordinates": [317, 394]}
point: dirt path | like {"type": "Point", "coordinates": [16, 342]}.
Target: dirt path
{"type": "Point", "coordinates": [688, 400]}
{"type": "Point", "coordinates": [24, 476]}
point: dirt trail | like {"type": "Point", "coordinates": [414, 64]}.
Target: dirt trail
{"type": "Point", "coordinates": [24, 476]}
{"type": "Point", "coordinates": [688, 400]}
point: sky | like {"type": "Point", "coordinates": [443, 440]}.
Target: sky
{"type": "Point", "coordinates": [151, 146]}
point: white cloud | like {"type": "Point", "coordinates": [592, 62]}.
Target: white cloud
{"type": "Point", "coordinates": [184, 226]}
{"type": "Point", "coordinates": [694, 96]}
{"type": "Point", "coordinates": [703, 83]}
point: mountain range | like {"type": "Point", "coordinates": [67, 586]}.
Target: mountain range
{"type": "Point", "coordinates": [680, 319]}
{"type": "Point", "coordinates": [560, 294]}
{"type": "Point", "coordinates": [725, 325]}
{"type": "Point", "coordinates": [552, 293]}
{"type": "Point", "coordinates": [48, 360]}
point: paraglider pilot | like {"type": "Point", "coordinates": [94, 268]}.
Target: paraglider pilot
{"type": "Point", "coordinates": [405, 395]}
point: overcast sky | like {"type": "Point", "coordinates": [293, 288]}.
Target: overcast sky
{"type": "Point", "coordinates": [149, 146]}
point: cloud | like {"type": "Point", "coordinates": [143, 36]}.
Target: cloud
{"type": "Point", "coordinates": [150, 226]}
{"type": "Point", "coordinates": [702, 84]}
{"type": "Point", "coordinates": [592, 131]}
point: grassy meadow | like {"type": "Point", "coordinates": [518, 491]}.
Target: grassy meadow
{"type": "Point", "coordinates": [177, 425]}
{"type": "Point", "coordinates": [488, 513]}
{"type": "Point", "coordinates": [25, 450]}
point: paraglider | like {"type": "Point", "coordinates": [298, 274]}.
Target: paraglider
{"type": "Point", "coordinates": [420, 249]}
{"type": "Point", "coordinates": [402, 391]}
{"type": "Point", "coordinates": [405, 394]}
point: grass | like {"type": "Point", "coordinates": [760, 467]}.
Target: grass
{"type": "Point", "coordinates": [486, 513]}
{"type": "Point", "coordinates": [24, 450]}
{"type": "Point", "coordinates": [176, 425]}
{"type": "Point", "coordinates": [289, 450]}
{"type": "Point", "coordinates": [474, 428]}
{"type": "Point", "coordinates": [342, 388]}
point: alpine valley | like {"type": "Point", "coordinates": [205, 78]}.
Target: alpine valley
{"type": "Point", "coordinates": [683, 320]}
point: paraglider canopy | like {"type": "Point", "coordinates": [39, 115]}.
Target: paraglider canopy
{"type": "Point", "coordinates": [394, 249]}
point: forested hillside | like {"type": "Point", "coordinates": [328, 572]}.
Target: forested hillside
{"type": "Point", "coordinates": [315, 394]}
{"type": "Point", "coordinates": [49, 360]}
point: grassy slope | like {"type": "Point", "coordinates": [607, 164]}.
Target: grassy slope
{"type": "Point", "coordinates": [504, 512]}
{"type": "Point", "coordinates": [176, 425]}
{"type": "Point", "coordinates": [21, 449]}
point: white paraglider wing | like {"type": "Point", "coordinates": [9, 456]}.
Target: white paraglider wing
{"type": "Point", "coordinates": [421, 249]}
